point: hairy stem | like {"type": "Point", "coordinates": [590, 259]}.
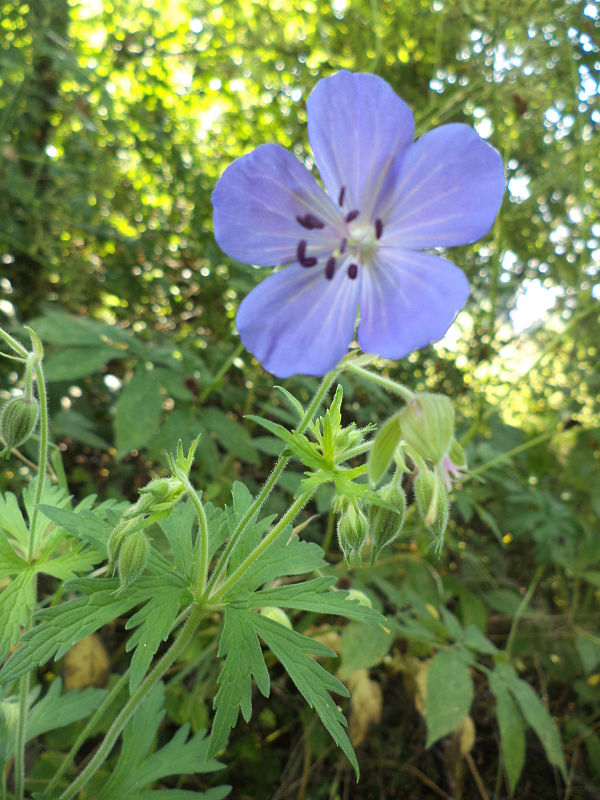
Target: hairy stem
{"type": "Point", "coordinates": [90, 725]}
{"type": "Point", "coordinates": [296, 506]}
{"type": "Point", "coordinates": [380, 380]}
{"type": "Point", "coordinates": [11, 342]}
{"type": "Point", "coordinates": [271, 480]}
{"type": "Point", "coordinates": [200, 566]}
{"type": "Point", "coordinates": [42, 458]}
{"type": "Point", "coordinates": [21, 735]}
{"type": "Point", "coordinates": [182, 640]}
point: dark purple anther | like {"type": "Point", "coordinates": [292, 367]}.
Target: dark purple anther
{"type": "Point", "coordinates": [352, 215]}
{"type": "Point", "coordinates": [309, 262]}
{"type": "Point", "coordinates": [352, 271]}
{"type": "Point", "coordinates": [341, 197]}
{"type": "Point", "coordinates": [330, 268]}
{"type": "Point", "coordinates": [310, 222]}
{"type": "Point", "coordinates": [301, 250]}
{"type": "Point", "coordinates": [343, 245]}
{"type": "Point", "coordinates": [378, 228]}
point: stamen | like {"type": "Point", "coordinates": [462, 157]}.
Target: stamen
{"type": "Point", "coordinates": [310, 222]}
{"type": "Point", "coordinates": [309, 262]}
{"type": "Point", "coordinates": [330, 268]}
{"type": "Point", "coordinates": [341, 197]}
{"type": "Point", "coordinates": [301, 250]}
{"type": "Point", "coordinates": [343, 245]}
{"type": "Point", "coordinates": [352, 215]}
{"type": "Point", "coordinates": [378, 228]}
{"type": "Point", "coordinates": [352, 271]}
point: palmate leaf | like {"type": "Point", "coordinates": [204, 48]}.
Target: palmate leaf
{"type": "Point", "coordinates": [62, 626]}
{"type": "Point", "coordinates": [240, 647]}
{"type": "Point", "coordinates": [153, 623]}
{"type": "Point", "coordinates": [138, 768]}
{"type": "Point", "coordinates": [240, 643]}
{"type": "Point", "coordinates": [16, 604]}
{"type": "Point", "coordinates": [312, 680]}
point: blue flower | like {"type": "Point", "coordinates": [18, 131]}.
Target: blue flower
{"type": "Point", "coordinates": [359, 244]}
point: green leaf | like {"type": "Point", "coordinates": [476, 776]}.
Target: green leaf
{"type": "Point", "coordinates": [138, 767]}
{"type": "Point", "coordinates": [288, 555]}
{"type": "Point", "coordinates": [78, 362]}
{"type": "Point", "coordinates": [477, 640]}
{"type": "Point", "coordinates": [512, 731]}
{"type": "Point", "coordinates": [449, 694]}
{"type": "Point", "coordinates": [363, 646]}
{"type": "Point", "coordinates": [11, 519]}
{"type": "Point", "coordinates": [137, 412]}
{"type": "Point", "coordinates": [154, 622]}
{"type": "Point", "coordinates": [298, 444]}
{"type": "Point", "coordinates": [54, 710]}
{"type": "Point", "coordinates": [77, 427]}
{"type": "Point", "coordinates": [17, 602]}
{"type": "Point", "coordinates": [60, 627]}
{"type": "Point", "coordinates": [387, 440]}
{"type": "Point", "coordinates": [536, 714]}
{"type": "Point", "coordinates": [65, 566]}
{"type": "Point", "coordinates": [10, 562]}
{"type": "Point", "coordinates": [294, 403]}
{"type": "Point", "coordinates": [241, 649]}
{"type": "Point", "coordinates": [231, 435]}
{"type": "Point", "coordinates": [313, 682]}
{"type": "Point", "coordinates": [314, 596]}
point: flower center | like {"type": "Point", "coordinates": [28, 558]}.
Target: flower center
{"type": "Point", "coordinates": [362, 241]}
{"type": "Point", "coordinates": [358, 246]}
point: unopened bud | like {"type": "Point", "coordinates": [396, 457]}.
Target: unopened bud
{"type": "Point", "coordinates": [156, 496]}
{"type": "Point", "coordinates": [355, 595]}
{"type": "Point", "coordinates": [115, 542]}
{"type": "Point", "coordinates": [133, 557]}
{"type": "Point", "coordinates": [352, 532]}
{"type": "Point", "coordinates": [432, 502]}
{"type": "Point", "coordinates": [18, 420]}
{"type": "Point", "coordinates": [427, 425]}
{"type": "Point", "coordinates": [385, 525]}
{"type": "Point", "coordinates": [277, 615]}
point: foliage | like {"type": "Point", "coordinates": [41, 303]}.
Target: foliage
{"type": "Point", "coordinates": [115, 123]}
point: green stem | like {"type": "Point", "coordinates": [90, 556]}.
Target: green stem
{"type": "Point", "coordinates": [380, 380]}
{"type": "Point", "coordinates": [264, 544]}
{"type": "Point", "coordinates": [521, 610]}
{"type": "Point", "coordinates": [183, 639]}
{"type": "Point", "coordinates": [271, 480]}
{"type": "Point", "coordinates": [43, 457]}
{"type": "Point", "coordinates": [91, 724]}
{"type": "Point", "coordinates": [11, 342]}
{"type": "Point", "coordinates": [200, 566]}
{"type": "Point", "coordinates": [21, 737]}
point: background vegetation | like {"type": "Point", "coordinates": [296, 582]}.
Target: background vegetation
{"type": "Point", "coordinates": [116, 119]}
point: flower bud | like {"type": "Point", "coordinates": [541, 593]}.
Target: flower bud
{"type": "Point", "coordinates": [352, 532]}
{"type": "Point", "coordinates": [385, 525]}
{"type": "Point", "coordinates": [427, 425]}
{"type": "Point", "coordinates": [277, 615]}
{"type": "Point", "coordinates": [115, 542]}
{"type": "Point", "coordinates": [355, 595]}
{"type": "Point", "coordinates": [432, 502]}
{"type": "Point", "coordinates": [157, 496]}
{"type": "Point", "coordinates": [133, 557]}
{"type": "Point", "coordinates": [18, 420]}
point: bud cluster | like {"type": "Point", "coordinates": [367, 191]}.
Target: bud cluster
{"type": "Point", "coordinates": [424, 431]}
